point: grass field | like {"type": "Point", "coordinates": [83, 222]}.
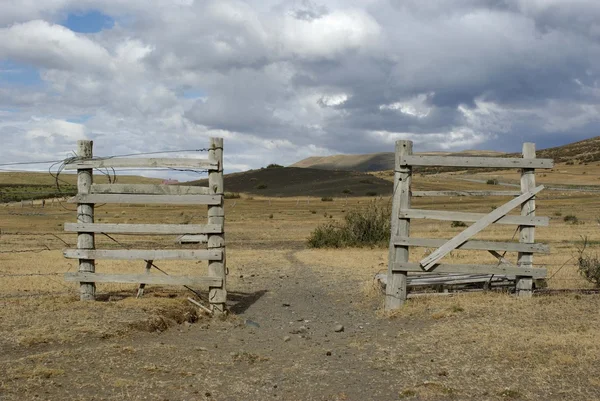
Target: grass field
{"type": "Point", "coordinates": [470, 346]}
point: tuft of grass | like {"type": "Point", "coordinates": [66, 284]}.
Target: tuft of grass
{"type": "Point", "coordinates": [371, 193]}
{"type": "Point", "coordinates": [232, 195]}
{"type": "Point", "coordinates": [492, 181]}
{"type": "Point", "coordinates": [458, 224]}
{"type": "Point", "coordinates": [369, 226]}
{"type": "Point", "coordinates": [346, 191]}
{"type": "Point", "coordinates": [327, 199]}
{"type": "Point", "coordinates": [571, 219]}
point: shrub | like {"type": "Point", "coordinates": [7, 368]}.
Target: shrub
{"type": "Point", "coordinates": [492, 181]}
{"type": "Point", "coordinates": [273, 165]}
{"type": "Point", "coordinates": [365, 181]}
{"type": "Point", "coordinates": [313, 211]}
{"type": "Point", "coordinates": [458, 224]}
{"type": "Point", "coordinates": [589, 266]}
{"type": "Point", "coordinates": [327, 199]}
{"type": "Point", "coordinates": [371, 193]}
{"type": "Point", "coordinates": [346, 191]}
{"type": "Point", "coordinates": [232, 195]}
{"type": "Point", "coordinates": [571, 219]}
{"type": "Point", "coordinates": [261, 186]}
{"type": "Point", "coordinates": [369, 226]}
{"type": "Point", "coordinates": [558, 214]}
{"type": "Point", "coordinates": [271, 216]}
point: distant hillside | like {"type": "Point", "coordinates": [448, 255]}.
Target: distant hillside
{"type": "Point", "coordinates": [295, 181]}
{"type": "Point", "coordinates": [584, 151]}
{"type": "Point", "coordinates": [373, 161]}
{"type": "Point", "coordinates": [578, 152]}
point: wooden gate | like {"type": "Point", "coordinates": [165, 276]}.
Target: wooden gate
{"type": "Point", "coordinates": [90, 194]}
{"type": "Point", "coordinates": [402, 213]}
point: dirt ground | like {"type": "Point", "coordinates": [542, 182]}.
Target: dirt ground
{"type": "Point", "coordinates": [283, 338]}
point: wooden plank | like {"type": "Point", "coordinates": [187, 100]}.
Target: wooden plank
{"type": "Point", "coordinates": [395, 293]}
{"type": "Point", "coordinates": [501, 258]}
{"type": "Point", "coordinates": [148, 189]}
{"type": "Point", "coordinates": [85, 214]}
{"type": "Point", "coordinates": [217, 295]}
{"type": "Point", "coordinates": [477, 227]}
{"type": "Point", "coordinates": [471, 217]}
{"type": "Point", "coordinates": [474, 245]}
{"type": "Point", "coordinates": [144, 254]}
{"type": "Point", "coordinates": [124, 162]}
{"type": "Point", "coordinates": [193, 239]}
{"type": "Point", "coordinates": [472, 269]}
{"type": "Point", "coordinates": [485, 162]}
{"type": "Point", "coordinates": [524, 285]}
{"type": "Point", "coordinates": [148, 199]}
{"type": "Point", "coordinates": [148, 229]}
{"type": "Point", "coordinates": [145, 278]}
{"type": "Point", "coordinates": [422, 194]}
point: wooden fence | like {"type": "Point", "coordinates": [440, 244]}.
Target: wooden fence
{"type": "Point", "coordinates": [402, 213]}
{"type": "Point", "coordinates": [213, 232]}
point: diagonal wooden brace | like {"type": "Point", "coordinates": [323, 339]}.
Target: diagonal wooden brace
{"type": "Point", "coordinates": [428, 262]}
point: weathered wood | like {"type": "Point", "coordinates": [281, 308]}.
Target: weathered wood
{"type": "Point", "coordinates": [148, 199]}
{"type": "Point", "coordinates": [199, 305]}
{"type": "Point", "coordinates": [465, 161]}
{"type": "Point", "coordinates": [422, 194]}
{"type": "Point", "coordinates": [192, 239]}
{"type": "Point", "coordinates": [148, 189]}
{"type": "Point", "coordinates": [395, 294]}
{"type": "Point", "coordinates": [500, 258]}
{"type": "Point", "coordinates": [474, 245]}
{"type": "Point", "coordinates": [143, 285]}
{"type": "Point", "coordinates": [524, 285]}
{"type": "Point", "coordinates": [472, 269]}
{"type": "Point", "coordinates": [477, 227]}
{"type": "Point", "coordinates": [147, 229]}
{"type": "Point", "coordinates": [85, 214]}
{"type": "Point", "coordinates": [146, 278]}
{"type": "Point", "coordinates": [117, 162]}
{"type": "Point", "coordinates": [471, 217]}
{"type": "Point", "coordinates": [144, 254]}
{"type": "Point", "coordinates": [217, 294]}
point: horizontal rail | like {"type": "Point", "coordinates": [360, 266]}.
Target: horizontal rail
{"type": "Point", "coordinates": [142, 278]}
{"type": "Point", "coordinates": [484, 162]}
{"type": "Point", "coordinates": [148, 189]}
{"type": "Point", "coordinates": [192, 239]}
{"type": "Point", "coordinates": [472, 269]}
{"type": "Point", "coordinates": [116, 162]}
{"type": "Point", "coordinates": [471, 217]}
{"type": "Point", "coordinates": [149, 229]}
{"type": "Point", "coordinates": [144, 254]}
{"type": "Point", "coordinates": [147, 199]}
{"type": "Point", "coordinates": [422, 194]}
{"type": "Point", "coordinates": [474, 245]}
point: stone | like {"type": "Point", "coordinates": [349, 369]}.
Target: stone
{"type": "Point", "coordinates": [338, 328]}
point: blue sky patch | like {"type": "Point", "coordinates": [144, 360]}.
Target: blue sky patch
{"type": "Point", "coordinates": [88, 22]}
{"type": "Point", "coordinates": [17, 74]}
{"type": "Point", "coordinates": [193, 94]}
{"type": "Point", "coordinates": [79, 119]}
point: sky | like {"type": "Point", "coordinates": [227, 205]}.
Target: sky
{"type": "Point", "coordinates": [284, 80]}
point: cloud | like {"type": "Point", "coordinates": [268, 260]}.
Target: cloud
{"type": "Point", "coordinates": [286, 79]}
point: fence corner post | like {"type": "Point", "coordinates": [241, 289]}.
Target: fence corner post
{"type": "Point", "coordinates": [395, 292]}
{"type": "Point", "coordinates": [85, 214]}
{"type": "Point", "coordinates": [217, 296]}
{"type": "Point", "coordinates": [524, 284]}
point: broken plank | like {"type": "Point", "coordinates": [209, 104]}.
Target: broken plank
{"type": "Point", "coordinates": [473, 269]}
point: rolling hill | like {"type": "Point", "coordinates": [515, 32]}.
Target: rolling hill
{"type": "Point", "coordinates": [296, 181]}
{"type": "Point", "coordinates": [373, 161]}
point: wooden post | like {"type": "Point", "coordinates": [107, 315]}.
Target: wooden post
{"type": "Point", "coordinates": [85, 214]}
{"type": "Point", "coordinates": [143, 285]}
{"type": "Point", "coordinates": [524, 285]}
{"type": "Point", "coordinates": [395, 294]}
{"type": "Point", "coordinates": [216, 215]}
